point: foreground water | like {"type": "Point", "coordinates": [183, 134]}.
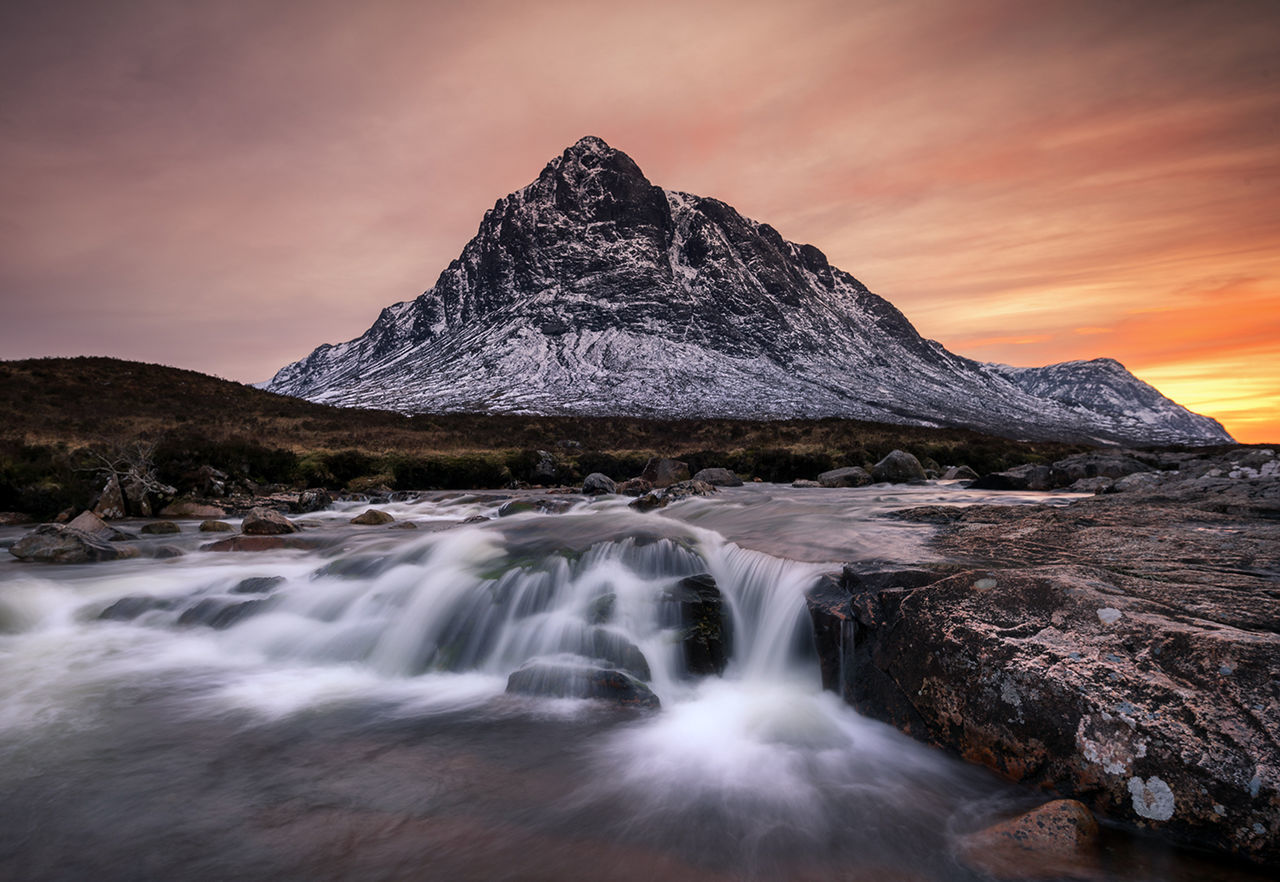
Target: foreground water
{"type": "Point", "coordinates": [351, 722]}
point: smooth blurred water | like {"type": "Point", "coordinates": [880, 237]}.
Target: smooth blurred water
{"type": "Point", "coordinates": [354, 724]}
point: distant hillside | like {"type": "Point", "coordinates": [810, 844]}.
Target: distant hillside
{"type": "Point", "coordinates": [55, 412]}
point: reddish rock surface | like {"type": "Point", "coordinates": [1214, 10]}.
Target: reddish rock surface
{"type": "Point", "coordinates": [1058, 840]}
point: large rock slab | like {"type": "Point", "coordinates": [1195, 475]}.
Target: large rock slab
{"type": "Point", "coordinates": [1153, 705]}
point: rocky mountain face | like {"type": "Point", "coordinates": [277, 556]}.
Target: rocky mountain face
{"type": "Point", "coordinates": [592, 291]}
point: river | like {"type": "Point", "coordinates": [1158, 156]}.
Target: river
{"type": "Point", "coordinates": [340, 712]}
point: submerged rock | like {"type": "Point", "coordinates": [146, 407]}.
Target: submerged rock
{"type": "Point", "coordinates": [1058, 840]}
{"type": "Point", "coordinates": [216, 527]}
{"type": "Point", "coordinates": [675, 492]}
{"type": "Point", "coordinates": [267, 522]}
{"type": "Point", "coordinates": [573, 680]}
{"type": "Point", "coordinates": [372, 518]}
{"type": "Point", "coordinates": [219, 613]}
{"type": "Point", "coordinates": [259, 543]}
{"type": "Point", "coordinates": [160, 528]}
{"type": "Point", "coordinates": [129, 608]}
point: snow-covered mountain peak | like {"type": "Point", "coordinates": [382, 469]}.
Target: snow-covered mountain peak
{"type": "Point", "coordinates": [593, 291]}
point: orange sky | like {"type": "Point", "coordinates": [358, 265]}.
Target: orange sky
{"type": "Point", "coordinates": [223, 186]}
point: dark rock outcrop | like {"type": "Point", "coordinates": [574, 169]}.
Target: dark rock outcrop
{"type": "Point", "coordinates": [705, 631]}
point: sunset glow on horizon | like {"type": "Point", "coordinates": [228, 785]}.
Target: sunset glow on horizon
{"type": "Point", "coordinates": [224, 186]}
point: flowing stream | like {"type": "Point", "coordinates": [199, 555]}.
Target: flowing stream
{"type": "Point", "coordinates": [340, 712]}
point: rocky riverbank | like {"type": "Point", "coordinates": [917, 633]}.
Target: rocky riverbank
{"type": "Point", "coordinates": [1123, 650]}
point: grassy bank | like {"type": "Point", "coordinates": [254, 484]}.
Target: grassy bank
{"type": "Point", "coordinates": [58, 416]}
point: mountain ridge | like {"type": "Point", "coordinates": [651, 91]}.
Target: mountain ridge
{"type": "Point", "coordinates": [592, 291]}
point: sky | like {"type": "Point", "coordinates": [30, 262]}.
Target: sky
{"type": "Point", "coordinates": [223, 185]}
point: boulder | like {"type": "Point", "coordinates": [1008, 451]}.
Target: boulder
{"type": "Point", "coordinates": [899, 467]}
{"type": "Point", "coordinates": [545, 471]}
{"type": "Point", "coordinates": [718, 477]}
{"type": "Point", "coordinates": [540, 504]}
{"type": "Point", "coordinates": [804, 483]}
{"type": "Point", "coordinates": [110, 505]}
{"type": "Point", "coordinates": [158, 528]}
{"type": "Point", "coordinates": [88, 522]}
{"type": "Point", "coordinates": [704, 630]}
{"type": "Point", "coordinates": [635, 487]}
{"type": "Point", "coordinates": [55, 543]}
{"type": "Point", "coordinates": [571, 679]}
{"type": "Point", "coordinates": [216, 527]}
{"type": "Point", "coordinates": [372, 518]}
{"type": "Point", "coordinates": [661, 472]}
{"type": "Point", "coordinates": [850, 476]}
{"type": "Point", "coordinates": [959, 473]}
{"type": "Point", "coordinates": [188, 508]}
{"type": "Point", "coordinates": [1058, 840]}
{"type": "Point", "coordinates": [266, 522]}
{"type": "Point", "coordinates": [313, 500]}
{"type": "Point", "coordinates": [597, 484]}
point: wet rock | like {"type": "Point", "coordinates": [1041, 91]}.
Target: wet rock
{"type": "Point", "coordinates": [1058, 840]}
{"type": "Point", "coordinates": [55, 543]}
{"type": "Point", "coordinates": [313, 500]}
{"type": "Point", "coordinates": [216, 527]}
{"type": "Point", "coordinates": [110, 505]}
{"type": "Point", "coordinates": [404, 525]}
{"type": "Point", "coordinates": [372, 518]}
{"type": "Point", "coordinates": [266, 522]}
{"type": "Point", "coordinates": [1150, 701]}
{"type": "Point", "coordinates": [129, 608]}
{"type": "Point", "coordinates": [476, 519]}
{"type": "Point", "coordinates": [718, 477]}
{"type": "Point", "coordinates": [159, 528]}
{"type": "Point", "coordinates": [959, 473]}
{"type": "Point", "coordinates": [219, 613]}
{"type": "Point", "coordinates": [705, 633]}
{"type": "Point", "coordinates": [617, 650]}
{"type": "Point", "coordinates": [665, 472]}
{"type": "Point", "coordinates": [852, 476]}
{"type": "Point", "coordinates": [187, 508]}
{"type": "Point", "coordinates": [597, 484]}
{"type": "Point", "coordinates": [804, 483]}
{"type": "Point", "coordinates": [165, 552]}
{"type": "Point", "coordinates": [635, 487]}
{"type": "Point", "coordinates": [673, 493]}
{"type": "Point", "coordinates": [257, 585]}
{"type": "Point", "coordinates": [573, 680]}
{"type": "Point", "coordinates": [899, 467]}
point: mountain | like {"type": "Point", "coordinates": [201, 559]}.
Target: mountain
{"type": "Point", "coordinates": [592, 291]}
